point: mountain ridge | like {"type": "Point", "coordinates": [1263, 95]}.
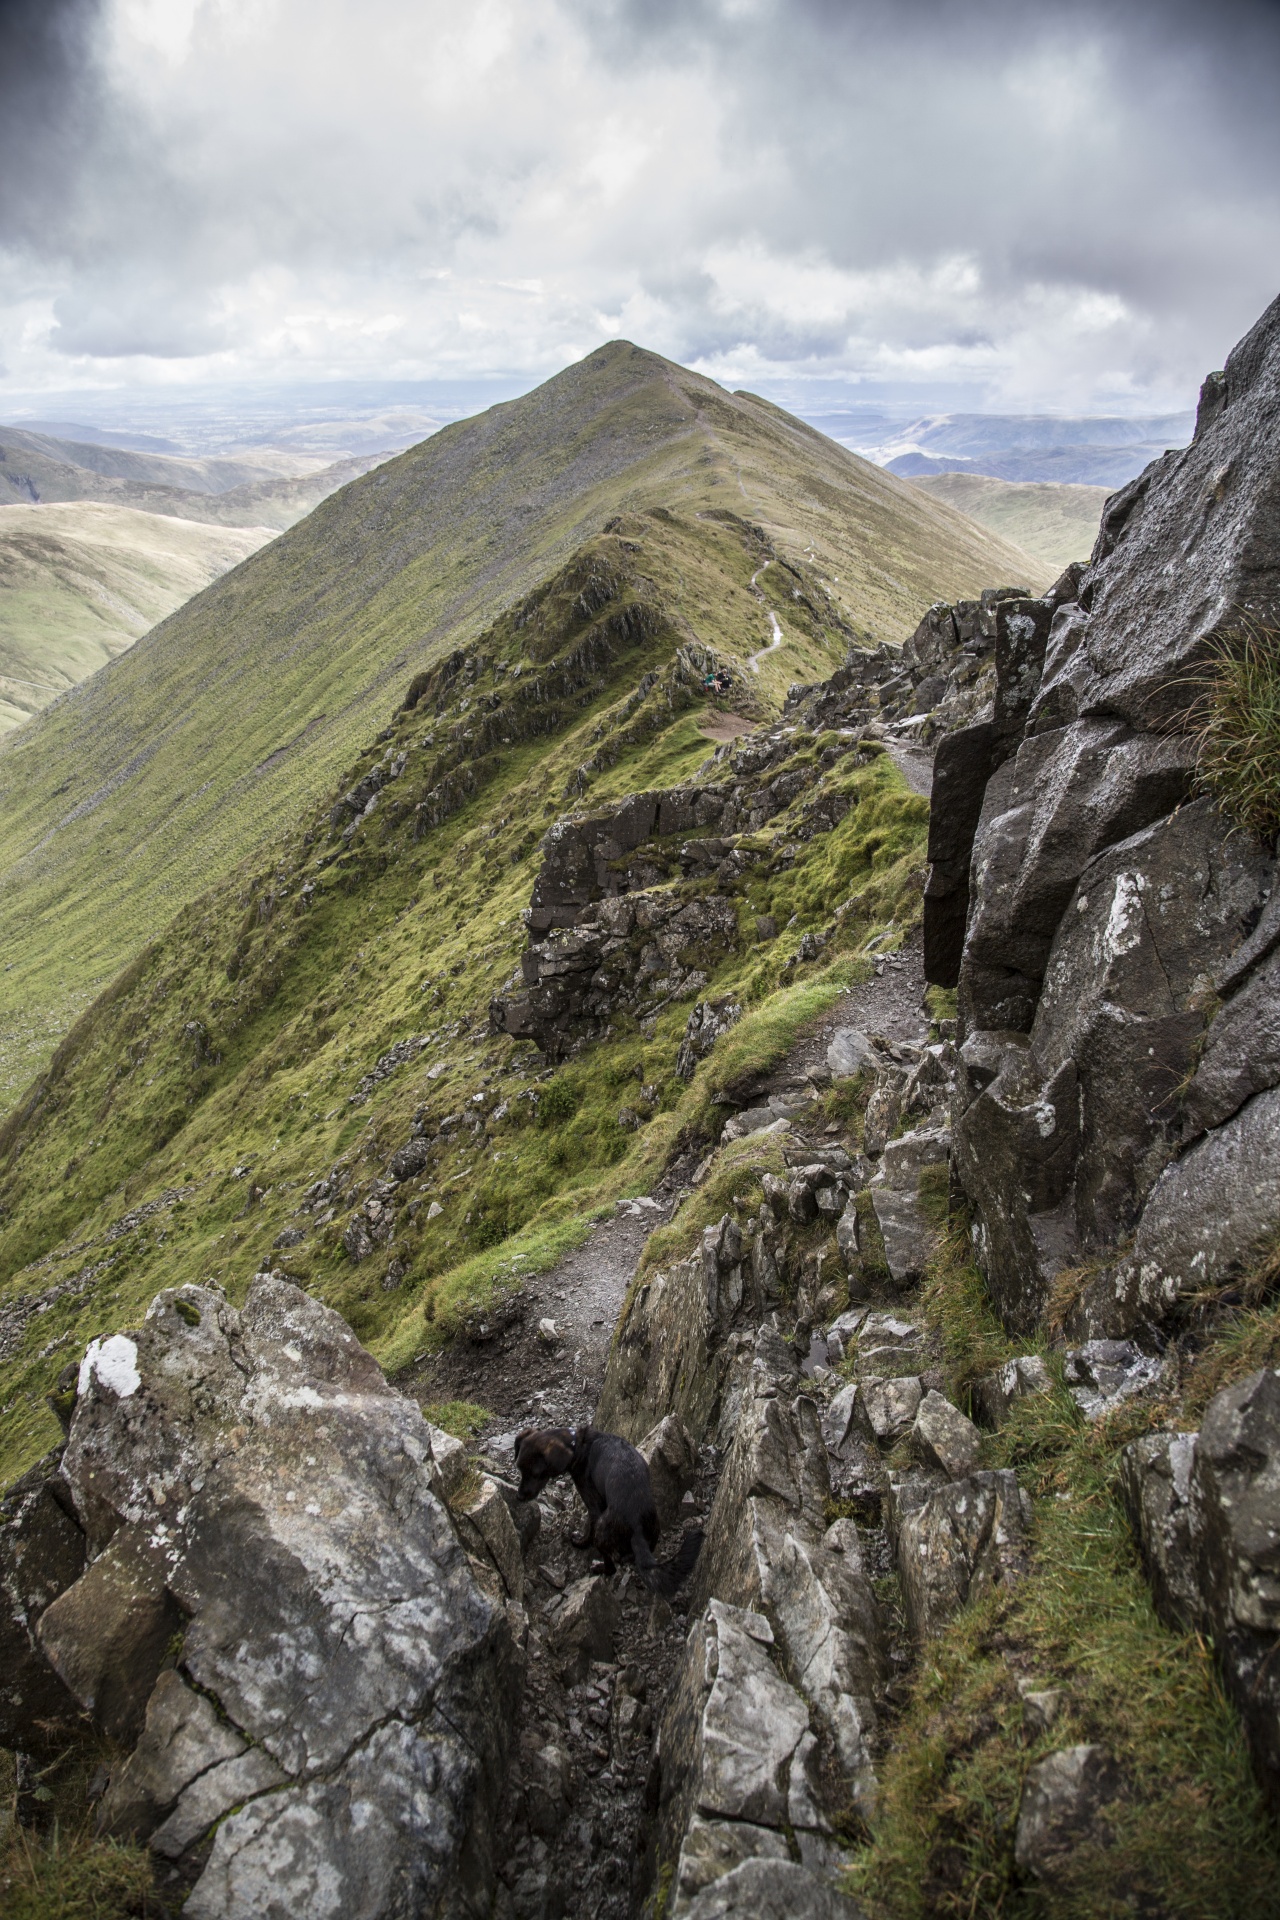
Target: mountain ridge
{"type": "Point", "coordinates": [226, 719]}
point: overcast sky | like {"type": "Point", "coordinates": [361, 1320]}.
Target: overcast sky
{"type": "Point", "coordinates": [1025, 206]}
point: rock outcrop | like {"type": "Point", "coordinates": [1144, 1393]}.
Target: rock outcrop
{"type": "Point", "coordinates": [1114, 946]}
{"type": "Point", "coordinates": [277, 1612]}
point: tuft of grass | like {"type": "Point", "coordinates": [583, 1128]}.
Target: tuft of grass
{"type": "Point", "coordinates": [1081, 1621]}
{"type": "Point", "coordinates": [462, 1418]}
{"type": "Point", "coordinates": [1239, 733]}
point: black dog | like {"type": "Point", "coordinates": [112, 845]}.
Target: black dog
{"type": "Point", "coordinates": [613, 1479]}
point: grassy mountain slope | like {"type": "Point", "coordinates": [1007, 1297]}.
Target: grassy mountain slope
{"type": "Point", "coordinates": [289, 1024]}
{"type": "Point", "coordinates": [1054, 522]}
{"type": "Point", "coordinates": [80, 582]}
{"type": "Point", "coordinates": [151, 780]}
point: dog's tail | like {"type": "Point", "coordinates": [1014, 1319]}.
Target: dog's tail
{"type": "Point", "coordinates": [669, 1578]}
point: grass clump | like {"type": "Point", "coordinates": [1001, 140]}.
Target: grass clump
{"type": "Point", "coordinates": [1239, 738]}
{"type": "Point", "coordinates": [462, 1418]}
{"type": "Point", "coordinates": [1081, 1621]}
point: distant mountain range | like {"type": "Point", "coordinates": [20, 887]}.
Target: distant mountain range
{"type": "Point", "coordinates": [1102, 450]}
{"type": "Point", "coordinates": [267, 487]}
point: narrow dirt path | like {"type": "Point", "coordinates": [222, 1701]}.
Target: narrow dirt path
{"type": "Point", "coordinates": [574, 1821]}
{"type": "Point", "coordinates": [754, 659]}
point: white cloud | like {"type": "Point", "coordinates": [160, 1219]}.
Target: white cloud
{"type": "Point", "coordinates": [1057, 206]}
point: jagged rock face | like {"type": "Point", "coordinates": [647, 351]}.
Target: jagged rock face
{"type": "Point", "coordinates": [1107, 920]}
{"type": "Point", "coordinates": [1206, 1511]}
{"type": "Point", "coordinates": [254, 1473]}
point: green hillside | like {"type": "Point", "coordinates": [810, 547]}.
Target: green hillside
{"type": "Point", "coordinates": [1054, 522]}
{"type": "Point", "coordinates": [151, 780]}
{"type": "Point", "coordinates": [278, 1025]}
{"type": "Point", "coordinates": [80, 582]}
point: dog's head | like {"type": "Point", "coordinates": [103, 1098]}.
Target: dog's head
{"type": "Point", "coordinates": [541, 1454]}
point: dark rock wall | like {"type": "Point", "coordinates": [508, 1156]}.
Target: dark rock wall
{"type": "Point", "coordinates": [1116, 1005]}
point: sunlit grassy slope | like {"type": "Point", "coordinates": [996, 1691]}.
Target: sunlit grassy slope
{"type": "Point", "coordinates": [80, 583]}
{"type": "Point", "coordinates": [152, 779]}
{"type": "Point", "coordinates": [1054, 522]}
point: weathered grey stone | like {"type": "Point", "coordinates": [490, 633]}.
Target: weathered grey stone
{"type": "Point", "coordinates": [709, 1019]}
{"type": "Point", "coordinates": [909, 1240]}
{"type": "Point", "coordinates": [42, 1553]}
{"type": "Point", "coordinates": [772, 1890]}
{"type": "Point", "coordinates": [1120, 1001]}
{"type": "Point", "coordinates": [1210, 1215]}
{"type": "Point", "coordinates": [961, 768]}
{"type": "Point", "coordinates": [384, 1835]}
{"type": "Point", "coordinates": [107, 1635]}
{"type": "Point", "coordinates": [548, 1788]}
{"type": "Point", "coordinates": [847, 1236]}
{"type": "Point", "coordinates": [584, 1624]}
{"type": "Point", "coordinates": [1040, 1709]}
{"type": "Point", "coordinates": [284, 1490]}
{"type": "Point", "coordinates": [212, 1795]}
{"type": "Point", "coordinates": [888, 1408]}
{"type": "Point", "coordinates": [1102, 1373]}
{"type": "Point", "coordinates": [996, 1392]}
{"type": "Point", "coordinates": [1155, 1484]}
{"type": "Point", "coordinates": [673, 1466]}
{"type": "Point", "coordinates": [850, 1051]}
{"type": "Point", "coordinates": [449, 1457]}
{"type": "Point", "coordinates": [1241, 1054]}
{"type": "Point", "coordinates": [713, 1848]}
{"type": "Point", "coordinates": [490, 1515]}
{"type": "Point", "coordinates": [1187, 548]}
{"type": "Point", "coordinates": [753, 1723]}
{"type": "Point", "coordinates": [888, 1344]}
{"type": "Point", "coordinates": [1064, 1804]}
{"type": "Point", "coordinates": [182, 1738]}
{"type": "Point", "coordinates": [945, 1437]}
{"type": "Point", "coordinates": [1236, 1477]}
{"type": "Point", "coordinates": [767, 1550]}
{"type": "Point", "coordinates": [964, 1539]}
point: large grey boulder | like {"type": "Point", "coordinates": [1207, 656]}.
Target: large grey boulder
{"type": "Point", "coordinates": [1211, 1216]}
{"type": "Point", "coordinates": [341, 1699]}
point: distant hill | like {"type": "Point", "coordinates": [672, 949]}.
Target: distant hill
{"type": "Point", "coordinates": [268, 488]}
{"type": "Point", "coordinates": [1092, 450]}
{"type": "Point", "coordinates": [1056, 524]}
{"type": "Point", "coordinates": [1103, 450]}
{"type": "Point", "coordinates": [81, 581]}
{"type": "Point", "coordinates": [147, 782]}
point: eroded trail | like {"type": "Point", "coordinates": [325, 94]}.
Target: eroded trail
{"type": "Point", "coordinates": [603, 1655]}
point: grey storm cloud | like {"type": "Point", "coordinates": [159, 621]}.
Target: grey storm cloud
{"type": "Point", "coordinates": [1048, 202]}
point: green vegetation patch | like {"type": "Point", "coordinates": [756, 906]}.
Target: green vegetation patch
{"type": "Point", "coordinates": [1239, 736]}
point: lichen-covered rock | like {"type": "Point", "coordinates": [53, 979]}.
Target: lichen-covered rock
{"type": "Point", "coordinates": [768, 1549]}
{"type": "Point", "coordinates": [735, 1750]}
{"type": "Point", "coordinates": [106, 1637]}
{"type": "Point", "coordinates": [1102, 1373]}
{"type": "Point", "coordinates": [1155, 1484]}
{"type": "Point", "coordinates": [909, 1237]}
{"type": "Point", "coordinates": [996, 1392]}
{"type": "Point", "coordinates": [42, 1553]}
{"type": "Point", "coordinates": [283, 1494]}
{"type": "Point", "coordinates": [963, 1540]}
{"type": "Point", "coordinates": [945, 1437]}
